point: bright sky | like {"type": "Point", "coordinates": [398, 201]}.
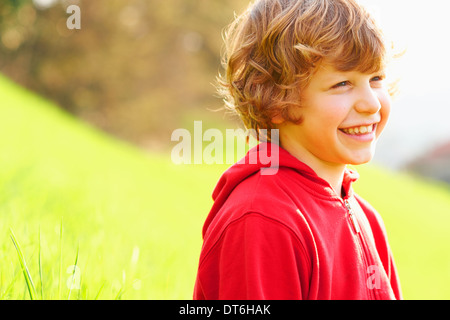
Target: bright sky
{"type": "Point", "coordinates": [422, 27]}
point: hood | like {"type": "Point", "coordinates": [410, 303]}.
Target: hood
{"type": "Point", "coordinates": [268, 159]}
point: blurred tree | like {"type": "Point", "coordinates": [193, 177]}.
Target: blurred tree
{"type": "Point", "coordinates": [137, 68]}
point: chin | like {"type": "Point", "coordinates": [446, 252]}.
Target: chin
{"type": "Point", "coordinates": [357, 163]}
{"type": "Point", "coordinates": [362, 156]}
{"type": "Point", "coordinates": [360, 160]}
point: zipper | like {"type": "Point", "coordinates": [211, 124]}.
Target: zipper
{"type": "Point", "coordinates": [352, 217]}
{"type": "Point", "coordinates": [361, 241]}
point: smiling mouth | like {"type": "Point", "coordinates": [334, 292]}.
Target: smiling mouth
{"type": "Point", "coordinates": [360, 130]}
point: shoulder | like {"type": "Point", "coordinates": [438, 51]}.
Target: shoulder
{"type": "Point", "coordinates": [375, 220]}
{"type": "Point", "coordinates": [263, 204]}
{"type": "Point", "coordinates": [256, 236]}
{"type": "Point", "coordinates": [372, 214]}
{"type": "Point", "coordinates": [269, 195]}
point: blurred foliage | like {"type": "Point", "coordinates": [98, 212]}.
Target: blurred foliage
{"type": "Point", "coordinates": [137, 69]}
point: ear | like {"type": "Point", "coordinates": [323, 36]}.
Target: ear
{"type": "Point", "coordinates": [277, 119]}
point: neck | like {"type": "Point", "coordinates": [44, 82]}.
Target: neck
{"type": "Point", "coordinates": [331, 172]}
{"type": "Point", "coordinates": [334, 176]}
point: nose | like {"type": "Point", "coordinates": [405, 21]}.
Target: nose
{"type": "Point", "coordinates": [367, 101]}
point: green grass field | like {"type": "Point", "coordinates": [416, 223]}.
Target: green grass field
{"type": "Point", "coordinates": [95, 218]}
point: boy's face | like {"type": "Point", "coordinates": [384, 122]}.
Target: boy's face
{"type": "Point", "coordinates": [343, 114]}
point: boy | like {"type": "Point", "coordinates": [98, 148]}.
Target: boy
{"type": "Point", "coordinates": [313, 70]}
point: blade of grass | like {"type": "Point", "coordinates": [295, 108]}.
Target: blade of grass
{"type": "Point", "coordinates": [26, 273]}
{"type": "Point", "coordinates": [119, 294]}
{"type": "Point", "coordinates": [60, 258]}
{"type": "Point", "coordinates": [73, 273]}
{"type": "Point", "coordinates": [40, 266]}
{"type": "Point", "coordinates": [100, 290]}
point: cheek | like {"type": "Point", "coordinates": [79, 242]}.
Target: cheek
{"type": "Point", "coordinates": [322, 117]}
{"type": "Point", "coordinates": [385, 110]}
{"type": "Point", "coordinates": [332, 110]}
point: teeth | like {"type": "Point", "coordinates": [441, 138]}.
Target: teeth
{"type": "Point", "coordinates": [359, 130]}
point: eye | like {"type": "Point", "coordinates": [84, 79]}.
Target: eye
{"type": "Point", "coordinates": [377, 81]}
{"type": "Point", "coordinates": [377, 78]}
{"type": "Point", "coordinates": [340, 84]}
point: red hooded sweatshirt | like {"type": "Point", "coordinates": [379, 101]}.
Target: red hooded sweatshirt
{"type": "Point", "coordinates": [286, 234]}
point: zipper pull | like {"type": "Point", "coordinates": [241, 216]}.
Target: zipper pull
{"type": "Point", "coordinates": [352, 216]}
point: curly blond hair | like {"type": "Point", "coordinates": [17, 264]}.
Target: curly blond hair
{"type": "Point", "coordinates": [274, 47]}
